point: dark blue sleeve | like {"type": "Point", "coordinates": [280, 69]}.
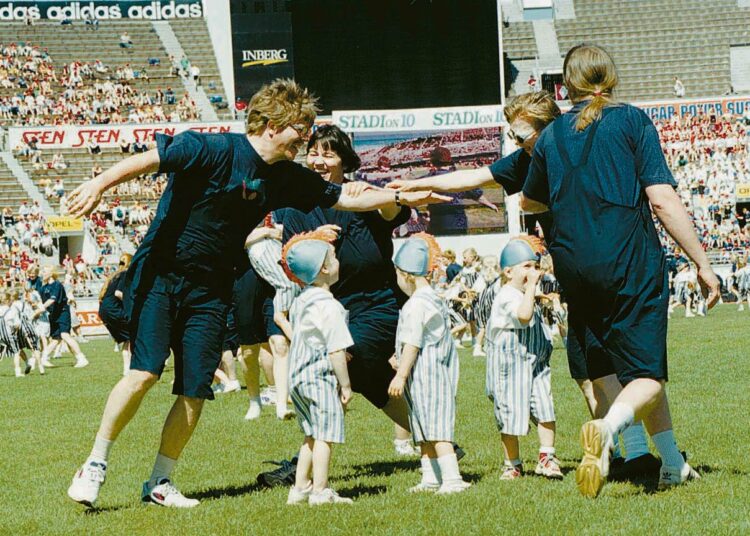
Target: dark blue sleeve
{"type": "Point", "coordinates": [536, 186]}
{"type": "Point", "coordinates": [182, 153]}
{"type": "Point", "coordinates": [375, 218]}
{"type": "Point", "coordinates": [510, 172]}
{"type": "Point", "coordinates": [305, 189]}
{"type": "Point", "coordinates": [650, 165]}
{"type": "Point", "coordinates": [294, 222]}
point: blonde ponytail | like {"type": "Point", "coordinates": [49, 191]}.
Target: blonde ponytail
{"type": "Point", "coordinates": [590, 73]}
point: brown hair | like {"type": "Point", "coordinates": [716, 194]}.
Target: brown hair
{"type": "Point", "coordinates": [539, 109]}
{"type": "Point", "coordinates": [125, 259]}
{"type": "Point", "coordinates": [589, 72]}
{"type": "Point", "coordinates": [282, 102]}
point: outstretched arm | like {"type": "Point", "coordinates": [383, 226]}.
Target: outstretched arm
{"type": "Point", "coordinates": [374, 198]}
{"type": "Point", "coordinates": [457, 181]}
{"type": "Point", "coordinates": [84, 199]}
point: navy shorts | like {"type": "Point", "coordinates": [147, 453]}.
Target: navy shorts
{"type": "Point", "coordinates": [60, 324]}
{"type": "Point", "coordinates": [190, 319]}
{"type": "Point", "coordinates": [253, 305]}
{"type": "Point", "coordinates": [116, 322]}
{"type": "Point", "coordinates": [373, 319]}
{"type": "Point", "coordinates": [231, 338]}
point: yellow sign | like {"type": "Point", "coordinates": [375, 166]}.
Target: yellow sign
{"type": "Point", "coordinates": [743, 191]}
{"type": "Point", "coordinates": [64, 224]}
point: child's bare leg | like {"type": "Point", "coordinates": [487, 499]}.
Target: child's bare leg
{"type": "Point", "coordinates": [510, 449]}
{"type": "Point", "coordinates": [227, 365]}
{"type": "Point", "coordinates": [304, 464]}
{"type": "Point", "coordinates": [321, 458]}
{"type": "Point", "coordinates": [220, 376]}
{"type": "Point", "coordinates": [249, 363]}
{"type": "Point", "coordinates": [280, 350]}
{"type": "Point", "coordinates": [266, 363]}
{"type": "Point", "coordinates": [546, 434]}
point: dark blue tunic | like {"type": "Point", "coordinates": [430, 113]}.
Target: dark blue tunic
{"type": "Point", "coordinates": [59, 310]}
{"type": "Point", "coordinates": [603, 242]}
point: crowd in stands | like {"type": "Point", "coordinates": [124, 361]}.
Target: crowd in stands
{"type": "Point", "coordinates": [709, 159]}
{"type": "Point", "coordinates": [39, 92]}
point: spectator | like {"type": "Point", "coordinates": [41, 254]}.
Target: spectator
{"type": "Point", "coordinates": [532, 83]}
{"type": "Point", "coordinates": [195, 73]}
{"type": "Point", "coordinates": [59, 188]}
{"type": "Point", "coordinates": [679, 88]}
{"type": "Point", "coordinates": [125, 41]}
{"type": "Point", "coordinates": [184, 66]}
{"type": "Point", "coordinates": [93, 147]}
{"type": "Point", "coordinates": [125, 146]}
{"type": "Point", "coordinates": [91, 21]}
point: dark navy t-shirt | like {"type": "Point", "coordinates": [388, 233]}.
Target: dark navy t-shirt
{"type": "Point", "coordinates": [219, 190]}
{"type": "Point", "coordinates": [510, 172]}
{"type": "Point", "coordinates": [55, 291]}
{"type": "Point", "coordinates": [364, 248]}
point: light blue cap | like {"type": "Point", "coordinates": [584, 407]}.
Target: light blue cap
{"type": "Point", "coordinates": [516, 252]}
{"type": "Point", "coordinates": [413, 257]}
{"type": "Point", "coordinates": [305, 259]}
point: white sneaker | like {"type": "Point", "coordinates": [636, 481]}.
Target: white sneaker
{"type": "Point", "coordinates": [404, 447]}
{"type": "Point", "coordinates": [597, 443]}
{"type": "Point", "coordinates": [232, 386]}
{"type": "Point", "coordinates": [424, 487]}
{"type": "Point", "coordinates": [81, 361]}
{"type": "Point", "coordinates": [253, 412]}
{"type": "Point", "coordinates": [454, 486]}
{"type": "Point", "coordinates": [328, 496]}
{"type": "Point", "coordinates": [41, 367]}
{"type": "Point", "coordinates": [86, 483]}
{"type": "Point", "coordinates": [689, 315]}
{"type": "Point", "coordinates": [284, 414]}
{"type": "Point", "coordinates": [478, 352]}
{"type": "Point", "coordinates": [165, 494]}
{"type": "Point", "coordinates": [268, 397]}
{"type": "Point", "coordinates": [674, 476]}
{"type": "Point", "coordinates": [31, 364]}
{"type": "Point", "coordinates": [46, 362]}
{"type": "Point", "coordinates": [19, 373]}
{"type": "Point", "coordinates": [298, 496]}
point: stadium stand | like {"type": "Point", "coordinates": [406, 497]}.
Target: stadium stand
{"type": "Point", "coordinates": [13, 193]}
{"type": "Point", "coordinates": [196, 42]}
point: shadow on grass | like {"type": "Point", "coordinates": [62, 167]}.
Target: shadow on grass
{"type": "Point", "coordinates": [98, 510]}
{"type": "Point", "coordinates": [385, 468]}
{"type": "Point", "coordinates": [361, 490]}
{"type": "Point", "coordinates": [649, 484]}
{"type": "Point", "coordinates": [228, 491]}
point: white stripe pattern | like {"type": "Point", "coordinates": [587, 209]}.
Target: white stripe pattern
{"type": "Point", "coordinates": [264, 256]}
{"type": "Point", "coordinates": [312, 383]}
{"type": "Point", "coordinates": [518, 380]}
{"type": "Point", "coordinates": [431, 387]}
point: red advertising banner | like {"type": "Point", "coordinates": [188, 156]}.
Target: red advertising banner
{"type": "Point", "coordinates": [78, 136]}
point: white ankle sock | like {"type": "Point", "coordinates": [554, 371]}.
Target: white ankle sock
{"type": "Point", "coordinates": [515, 462]}
{"type": "Point", "coordinates": [449, 468]}
{"type": "Point", "coordinates": [162, 469]}
{"type": "Point", "coordinates": [634, 439]}
{"type": "Point", "coordinates": [619, 417]}
{"type": "Point", "coordinates": [550, 451]}
{"type": "Point", "coordinates": [667, 447]}
{"type": "Point", "coordinates": [100, 452]}
{"type": "Point", "coordinates": [430, 471]}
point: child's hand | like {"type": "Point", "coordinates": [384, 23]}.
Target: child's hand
{"type": "Point", "coordinates": [346, 396]}
{"type": "Point", "coordinates": [533, 276]}
{"type": "Point", "coordinates": [396, 388]}
{"type": "Point", "coordinates": [393, 362]}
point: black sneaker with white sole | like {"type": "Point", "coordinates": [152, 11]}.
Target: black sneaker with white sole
{"type": "Point", "coordinates": [283, 475]}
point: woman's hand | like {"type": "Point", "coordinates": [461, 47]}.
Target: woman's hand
{"type": "Point", "coordinates": [420, 198]}
{"type": "Point", "coordinates": [414, 185]}
{"type": "Point", "coordinates": [710, 286]}
{"type": "Point", "coordinates": [396, 388]}
{"type": "Point", "coordinates": [84, 199]}
{"type": "Point", "coordinates": [330, 231]}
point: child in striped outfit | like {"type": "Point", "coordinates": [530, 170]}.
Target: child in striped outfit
{"type": "Point", "coordinates": [518, 371]}
{"type": "Point", "coordinates": [427, 373]}
{"type": "Point", "coordinates": [318, 377]}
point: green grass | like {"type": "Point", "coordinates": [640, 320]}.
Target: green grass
{"type": "Point", "coordinates": [48, 424]}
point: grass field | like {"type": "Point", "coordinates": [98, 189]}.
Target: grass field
{"type": "Point", "coordinates": [48, 424]}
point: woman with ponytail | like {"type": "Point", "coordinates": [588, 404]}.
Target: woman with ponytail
{"type": "Point", "coordinates": [597, 168]}
{"type": "Point", "coordinates": [112, 311]}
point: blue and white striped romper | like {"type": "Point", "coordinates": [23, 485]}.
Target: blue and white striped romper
{"type": "Point", "coordinates": [27, 336]}
{"type": "Point", "coordinates": [431, 387]}
{"type": "Point", "coordinates": [265, 256]}
{"type": "Point", "coordinates": [319, 324]}
{"type": "Point", "coordinates": [41, 323]}
{"type": "Point", "coordinates": [518, 372]}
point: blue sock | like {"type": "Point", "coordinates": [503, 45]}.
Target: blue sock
{"type": "Point", "coordinates": [667, 447]}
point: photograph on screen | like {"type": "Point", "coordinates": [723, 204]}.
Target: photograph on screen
{"type": "Point", "coordinates": [387, 156]}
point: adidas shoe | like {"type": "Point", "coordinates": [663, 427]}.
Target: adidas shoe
{"type": "Point", "coordinates": [404, 447]}
{"type": "Point", "coordinates": [424, 487]}
{"type": "Point", "coordinates": [511, 472]}
{"type": "Point", "coordinates": [281, 476]}
{"type": "Point", "coordinates": [674, 476]}
{"type": "Point", "coordinates": [268, 397]}
{"type": "Point", "coordinates": [165, 494]}
{"type": "Point", "coordinates": [591, 474]}
{"type": "Point", "coordinates": [453, 486]}
{"type": "Point", "coordinates": [86, 483]}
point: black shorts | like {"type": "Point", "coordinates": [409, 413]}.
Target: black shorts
{"type": "Point", "coordinates": [253, 309]}
{"type": "Point", "coordinates": [188, 318]}
{"type": "Point", "coordinates": [231, 337]}
{"type": "Point", "coordinates": [373, 319]}
{"type": "Point", "coordinates": [60, 324]}
{"type": "Point", "coordinates": [115, 320]}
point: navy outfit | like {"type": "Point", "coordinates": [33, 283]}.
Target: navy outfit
{"type": "Point", "coordinates": [112, 310]}
{"type": "Point", "coordinates": [450, 218]}
{"type": "Point", "coordinates": [231, 337]}
{"type": "Point", "coordinates": [366, 288]}
{"type": "Point", "coordinates": [252, 299]}
{"type": "Point", "coordinates": [59, 311]}
{"type": "Point", "coordinates": [35, 284]}
{"type": "Point", "coordinates": [604, 245]}
{"type": "Point", "coordinates": [180, 279]}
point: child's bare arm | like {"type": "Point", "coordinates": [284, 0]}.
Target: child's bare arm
{"type": "Point", "coordinates": [409, 355]}
{"type": "Point", "coordinates": [338, 362]}
{"type": "Point", "coordinates": [283, 322]}
{"type": "Point", "coordinates": [526, 309]}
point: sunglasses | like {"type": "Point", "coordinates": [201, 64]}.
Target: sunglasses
{"type": "Point", "coordinates": [520, 140]}
{"type": "Point", "coordinates": [301, 129]}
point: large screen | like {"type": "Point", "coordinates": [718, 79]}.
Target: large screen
{"type": "Point", "coordinates": [384, 54]}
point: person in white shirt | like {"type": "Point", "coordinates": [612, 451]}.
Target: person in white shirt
{"type": "Point", "coordinates": [518, 370]}
{"type": "Point", "coordinates": [427, 366]}
{"type": "Point", "coordinates": [318, 380]}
